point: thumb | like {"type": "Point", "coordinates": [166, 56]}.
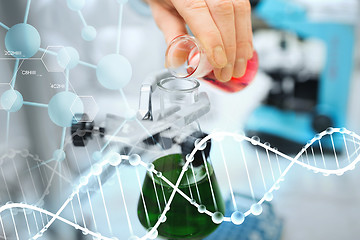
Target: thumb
{"type": "Point", "coordinates": [169, 21]}
{"type": "Point", "coordinates": [172, 25]}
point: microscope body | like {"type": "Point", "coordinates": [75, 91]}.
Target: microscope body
{"type": "Point", "coordinates": [152, 131]}
{"type": "Point", "coordinates": [280, 125]}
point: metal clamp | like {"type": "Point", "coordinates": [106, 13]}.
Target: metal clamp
{"type": "Point", "coordinates": [147, 88]}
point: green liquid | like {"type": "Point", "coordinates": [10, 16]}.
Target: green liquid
{"type": "Point", "coordinates": [183, 220]}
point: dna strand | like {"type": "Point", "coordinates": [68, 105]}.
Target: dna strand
{"type": "Point", "coordinates": [332, 152]}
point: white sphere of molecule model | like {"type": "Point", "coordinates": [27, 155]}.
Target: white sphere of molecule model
{"type": "Point", "coordinates": [114, 71]}
{"type": "Point", "coordinates": [22, 40]}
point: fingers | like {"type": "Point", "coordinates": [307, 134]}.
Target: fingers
{"type": "Point", "coordinates": [223, 14]}
{"type": "Point", "coordinates": [169, 22]}
{"type": "Point", "coordinates": [223, 28]}
{"type": "Point", "coordinates": [197, 15]}
{"type": "Point", "coordinates": [244, 47]}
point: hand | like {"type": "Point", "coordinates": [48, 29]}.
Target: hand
{"type": "Point", "coordinates": [223, 28]}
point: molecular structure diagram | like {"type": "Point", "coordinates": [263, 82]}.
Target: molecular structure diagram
{"type": "Point", "coordinates": [113, 72]}
{"type": "Point", "coordinates": [23, 41]}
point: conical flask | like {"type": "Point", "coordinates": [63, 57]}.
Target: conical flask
{"type": "Point", "coordinates": [185, 219]}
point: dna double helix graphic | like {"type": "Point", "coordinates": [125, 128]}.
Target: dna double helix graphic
{"type": "Point", "coordinates": [257, 161]}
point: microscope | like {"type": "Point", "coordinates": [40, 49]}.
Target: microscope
{"type": "Point", "coordinates": [152, 128]}
{"type": "Point", "coordinates": [288, 118]}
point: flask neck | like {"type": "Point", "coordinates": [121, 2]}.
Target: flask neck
{"type": "Point", "coordinates": [186, 58]}
{"type": "Point", "coordinates": [177, 92]}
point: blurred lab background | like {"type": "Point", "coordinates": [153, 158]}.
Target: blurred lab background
{"type": "Point", "coordinates": [308, 80]}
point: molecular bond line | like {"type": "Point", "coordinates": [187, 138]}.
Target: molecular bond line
{"type": "Point", "coordinates": [114, 159]}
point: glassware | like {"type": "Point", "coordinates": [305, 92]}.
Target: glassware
{"type": "Point", "coordinates": [183, 220]}
{"type": "Point", "coordinates": [185, 58]}
{"type": "Point", "coordinates": [176, 92]}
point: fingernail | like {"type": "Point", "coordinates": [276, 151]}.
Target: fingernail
{"type": "Point", "coordinates": [220, 56]}
{"type": "Point", "coordinates": [226, 73]}
{"type": "Point", "coordinates": [240, 68]}
{"type": "Point", "coordinates": [251, 52]}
